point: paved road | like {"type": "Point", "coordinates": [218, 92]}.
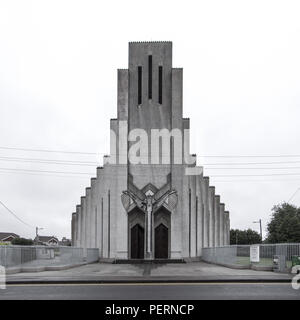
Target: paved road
{"type": "Point", "coordinates": [197, 291]}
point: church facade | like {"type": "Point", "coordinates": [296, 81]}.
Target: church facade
{"type": "Point", "coordinates": [150, 200]}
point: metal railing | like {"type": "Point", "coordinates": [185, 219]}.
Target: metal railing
{"type": "Point", "coordinates": [11, 256]}
{"type": "Point", "coordinates": [240, 254]}
{"type": "Point", "coordinates": [44, 256]}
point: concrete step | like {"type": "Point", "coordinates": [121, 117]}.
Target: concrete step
{"type": "Point", "coordinates": [148, 261]}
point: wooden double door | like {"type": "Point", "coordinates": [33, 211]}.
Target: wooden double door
{"type": "Point", "coordinates": [137, 242]}
{"type": "Point", "coordinates": [161, 242]}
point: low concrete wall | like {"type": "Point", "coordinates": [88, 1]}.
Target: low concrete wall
{"type": "Point", "coordinates": [220, 255]}
{"type": "Point", "coordinates": [41, 258]}
{"type": "Point", "coordinates": [92, 255]}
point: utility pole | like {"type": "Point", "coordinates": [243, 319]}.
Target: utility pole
{"type": "Point", "coordinates": [37, 233]}
{"type": "Point", "coordinates": [260, 228]}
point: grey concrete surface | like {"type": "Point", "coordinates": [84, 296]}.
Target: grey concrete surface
{"type": "Point", "coordinates": [193, 291]}
{"type": "Point", "coordinates": [43, 265]}
{"type": "Point", "coordinates": [103, 272]}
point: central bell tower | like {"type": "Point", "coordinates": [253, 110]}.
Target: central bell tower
{"type": "Point", "coordinates": [148, 83]}
{"type": "Point", "coordinates": [150, 97]}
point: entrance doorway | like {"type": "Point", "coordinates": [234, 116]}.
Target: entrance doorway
{"type": "Point", "coordinates": [161, 242]}
{"type": "Point", "coordinates": [137, 242]}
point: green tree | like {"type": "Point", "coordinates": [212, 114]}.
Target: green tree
{"type": "Point", "coordinates": [22, 242]}
{"type": "Point", "coordinates": [284, 225]}
{"type": "Point", "coordinates": [248, 236]}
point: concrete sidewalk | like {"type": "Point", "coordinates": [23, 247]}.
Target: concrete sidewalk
{"type": "Point", "coordinates": [127, 273]}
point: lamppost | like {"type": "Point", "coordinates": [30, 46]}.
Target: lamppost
{"type": "Point", "coordinates": [259, 221]}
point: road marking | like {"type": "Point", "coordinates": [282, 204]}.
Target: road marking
{"type": "Point", "coordinates": [148, 284]}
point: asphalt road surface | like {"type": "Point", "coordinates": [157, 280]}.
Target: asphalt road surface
{"type": "Point", "coordinates": [144, 291]}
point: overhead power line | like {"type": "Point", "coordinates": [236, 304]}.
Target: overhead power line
{"type": "Point", "coordinates": [44, 174]}
{"type": "Point", "coordinates": [293, 194]}
{"type": "Point", "coordinates": [257, 168]}
{"type": "Point", "coordinates": [247, 163]}
{"type": "Point", "coordinates": [14, 215]}
{"type": "Point", "coordinates": [99, 153]}
{"type": "Point", "coordinates": [49, 161]}
{"type": "Point", "coordinates": [85, 177]}
{"type": "Point", "coordinates": [46, 171]}
{"type": "Point", "coordinates": [251, 156]}
{"type": "Point", "coordinates": [90, 173]}
{"type": "Point", "coordinates": [255, 175]}
{"type": "Point", "coordinates": [92, 163]}
{"type": "Point", "coordinates": [258, 179]}
{"type": "Point", "coordinates": [49, 151]}
{"type": "Point", "coordinates": [255, 180]}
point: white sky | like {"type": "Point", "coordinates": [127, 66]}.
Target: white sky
{"type": "Point", "coordinates": [58, 86]}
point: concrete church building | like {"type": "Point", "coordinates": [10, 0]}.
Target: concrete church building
{"type": "Point", "coordinates": [150, 200]}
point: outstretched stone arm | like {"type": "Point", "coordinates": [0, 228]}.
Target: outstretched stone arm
{"type": "Point", "coordinates": [135, 199]}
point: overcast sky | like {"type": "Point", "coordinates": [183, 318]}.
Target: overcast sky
{"type": "Point", "coordinates": [58, 90]}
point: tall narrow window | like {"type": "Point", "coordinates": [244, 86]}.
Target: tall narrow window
{"type": "Point", "coordinates": [190, 222]}
{"type": "Point", "coordinates": [102, 238]}
{"type": "Point", "coordinates": [139, 85]}
{"type": "Point", "coordinates": [160, 78]}
{"type": "Point", "coordinates": [196, 226]}
{"type": "Point", "coordinates": [108, 244]}
{"type": "Point", "coordinates": [150, 77]}
{"type": "Point", "coordinates": [96, 244]}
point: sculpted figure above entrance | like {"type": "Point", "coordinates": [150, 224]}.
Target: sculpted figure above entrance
{"type": "Point", "coordinates": [150, 200]}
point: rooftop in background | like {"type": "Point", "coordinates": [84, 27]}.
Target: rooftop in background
{"type": "Point", "coordinates": [47, 239]}
{"type": "Point", "coordinates": [6, 236]}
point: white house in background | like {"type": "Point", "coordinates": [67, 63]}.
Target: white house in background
{"type": "Point", "coordinates": [46, 240]}
{"type": "Point", "coordinates": [8, 237]}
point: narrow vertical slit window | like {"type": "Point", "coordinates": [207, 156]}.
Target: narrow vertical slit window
{"type": "Point", "coordinates": [96, 244]}
{"type": "Point", "coordinates": [150, 77]}
{"type": "Point", "coordinates": [196, 226]}
{"type": "Point", "coordinates": [160, 88]}
{"type": "Point", "coordinates": [102, 238]}
{"type": "Point", "coordinates": [139, 85]}
{"type": "Point", "coordinates": [108, 244]}
{"type": "Point", "coordinates": [190, 222]}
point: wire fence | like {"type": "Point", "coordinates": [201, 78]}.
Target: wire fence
{"type": "Point", "coordinates": [240, 254]}
{"type": "Point", "coordinates": [26, 258]}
